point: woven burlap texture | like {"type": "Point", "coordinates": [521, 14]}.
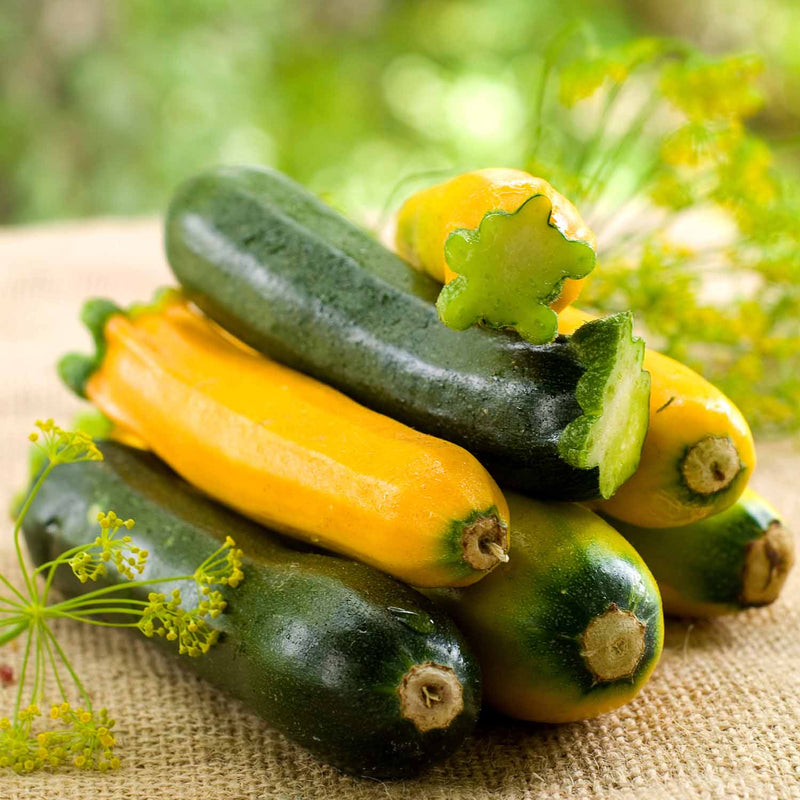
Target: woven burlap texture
{"type": "Point", "coordinates": [719, 718]}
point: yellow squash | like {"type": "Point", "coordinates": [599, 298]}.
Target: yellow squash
{"type": "Point", "coordinates": [289, 451]}
{"type": "Point", "coordinates": [428, 217]}
{"type": "Point", "coordinates": [509, 248]}
{"type": "Point", "coordinates": [698, 454]}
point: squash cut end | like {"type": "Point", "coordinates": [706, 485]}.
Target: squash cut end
{"type": "Point", "coordinates": [767, 564]}
{"type": "Point", "coordinates": [711, 465]}
{"type": "Point", "coordinates": [510, 268]}
{"type": "Point", "coordinates": [431, 696]}
{"type": "Point", "coordinates": [613, 644]}
{"type": "Point", "coordinates": [484, 543]}
{"type": "Point", "coordinates": [613, 394]}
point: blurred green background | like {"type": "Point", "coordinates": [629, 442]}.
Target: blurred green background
{"type": "Point", "coordinates": [106, 105]}
{"type": "Point", "coordinates": [633, 108]}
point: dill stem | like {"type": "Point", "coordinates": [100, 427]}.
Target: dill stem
{"type": "Point", "coordinates": [612, 157]}
{"type": "Point", "coordinates": [55, 668]}
{"type": "Point", "coordinates": [10, 602]}
{"type": "Point", "coordinates": [54, 564]}
{"type": "Point", "coordinates": [38, 675]}
{"type": "Point", "coordinates": [18, 526]}
{"type": "Point", "coordinates": [592, 142]}
{"type": "Point", "coordinates": [66, 604]}
{"type": "Point", "coordinates": [88, 621]}
{"type": "Point", "coordinates": [14, 632]}
{"type": "Point", "coordinates": [25, 600]}
{"type": "Point", "coordinates": [23, 672]}
{"type": "Point", "coordinates": [75, 678]}
{"type": "Point", "coordinates": [99, 600]}
{"type": "Point", "coordinates": [551, 55]}
{"type": "Point", "coordinates": [105, 610]}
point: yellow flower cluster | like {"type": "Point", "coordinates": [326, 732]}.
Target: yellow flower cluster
{"type": "Point", "coordinates": [64, 447]}
{"type": "Point", "coordinates": [130, 560]}
{"type": "Point", "coordinates": [708, 89]}
{"type": "Point", "coordinates": [84, 740]}
{"type": "Point", "coordinates": [166, 618]}
{"type": "Point", "coordinates": [222, 567]}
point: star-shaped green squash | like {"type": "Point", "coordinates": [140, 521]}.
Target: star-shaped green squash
{"type": "Point", "coordinates": [509, 269]}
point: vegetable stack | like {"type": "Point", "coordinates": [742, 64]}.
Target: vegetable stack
{"type": "Point", "coordinates": [324, 389]}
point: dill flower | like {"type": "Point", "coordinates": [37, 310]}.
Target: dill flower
{"type": "Point", "coordinates": [81, 737]}
{"type": "Point", "coordinates": [90, 564]}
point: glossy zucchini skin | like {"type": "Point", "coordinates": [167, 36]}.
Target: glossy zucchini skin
{"type": "Point", "coordinates": [734, 560]}
{"type": "Point", "coordinates": [295, 280]}
{"type": "Point", "coordinates": [528, 619]}
{"type": "Point", "coordinates": [315, 644]}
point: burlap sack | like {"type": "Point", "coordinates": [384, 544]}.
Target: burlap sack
{"type": "Point", "coordinates": [719, 719]}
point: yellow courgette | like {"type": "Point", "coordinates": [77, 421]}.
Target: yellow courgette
{"type": "Point", "coordinates": [507, 245]}
{"type": "Point", "coordinates": [289, 451]}
{"type": "Point", "coordinates": [698, 454]}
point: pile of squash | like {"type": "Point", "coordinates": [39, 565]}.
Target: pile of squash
{"type": "Point", "coordinates": [350, 414]}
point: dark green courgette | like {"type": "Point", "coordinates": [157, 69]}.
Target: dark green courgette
{"type": "Point", "coordinates": [734, 560]}
{"type": "Point", "coordinates": [366, 673]}
{"type": "Point", "coordinates": [292, 278]}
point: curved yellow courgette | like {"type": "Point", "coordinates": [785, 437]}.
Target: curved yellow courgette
{"type": "Point", "coordinates": [289, 451]}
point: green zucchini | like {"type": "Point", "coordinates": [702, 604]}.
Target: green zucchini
{"type": "Point", "coordinates": [292, 278]}
{"type": "Point", "coordinates": [571, 627]}
{"type": "Point", "coordinates": [331, 652]}
{"type": "Point", "coordinates": [734, 560]}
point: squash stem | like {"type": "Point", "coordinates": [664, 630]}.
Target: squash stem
{"type": "Point", "coordinates": [767, 563]}
{"type": "Point", "coordinates": [710, 465]}
{"type": "Point", "coordinates": [484, 543]}
{"type": "Point", "coordinates": [613, 644]}
{"type": "Point", "coordinates": [431, 696]}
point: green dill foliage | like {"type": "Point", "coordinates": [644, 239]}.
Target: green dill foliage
{"type": "Point", "coordinates": [697, 228]}
{"type": "Point", "coordinates": [81, 736]}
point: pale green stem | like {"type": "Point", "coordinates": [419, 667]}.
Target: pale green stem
{"type": "Point", "coordinates": [55, 668]}
{"type": "Point", "coordinates": [88, 621]}
{"type": "Point", "coordinates": [23, 671]}
{"type": "Point", "coordinates": [599, 132]}
{"type": "Point", "coordinates": [100, 600]}
{"type": "Point", "coordinates": [38, 676]}
{"type": "Point", "coordinates": [633, 194]}
{"type": "Point", "coordinates": [18, 526]}
{"type": "Point", "coordinates": [551, 55]}
{"type": "Point", "coordinates": [62, 559]}
{"type": "Point", "coordinates": [25, 600]}
{"type": "Point", "coordinates": [14, 632]}
{"type": "Point", "coordinates": [612, 157]}
{"type": "Point", "coordinates": [105, 610]}
{"type": "Point", "coordinates": [118, 588]}
{"type": "Point", "coordinates": [84, 694]}
{"type": "Point", "coordinates": [53, 565]}
{"type": "Point", "coordinates": [10, 602]}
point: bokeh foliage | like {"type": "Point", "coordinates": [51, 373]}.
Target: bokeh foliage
{"type": "Point", "coordinates": [107, 105]}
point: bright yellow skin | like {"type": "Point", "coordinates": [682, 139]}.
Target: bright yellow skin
{"type": "Point", "coordinates": [428, 217]}
{"type": "Point", "coordinates": [654, 497]}
{"type": "Point", "coordinates": [289, 451]}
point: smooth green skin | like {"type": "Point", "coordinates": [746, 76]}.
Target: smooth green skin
{"type": "Point", "coordinates": [315, 644]}
{"type": "Point", "coordinates": [509, 269]}
{"type": "Point", "coordinates": [701, 565]}
{"type": "Point", "coordinates": [295, 280]}
{"type": "Point", "coordinates": [526, 618]}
